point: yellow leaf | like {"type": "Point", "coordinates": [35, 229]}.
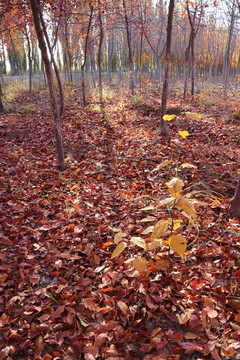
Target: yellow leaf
{"type": "Point", "coordinates": [176, 224]}
{"type": "Point", "coordinates": [140, 263]}
{"type": "Point", "coordinates": [120, 247]}
{"type": "Point", "coordinates": [192, 116]}
{"type": "Point", "coordinates": [175, 187]}
{"type": "Point", "coordinates": [166, 201]}
{"type": "Point", "coordinates": [183, 134]}
{"type": "Point", "coordinates": [162, 264]}
{"type": "Point", "coordinates": [159, 229]}
{"type": "Point", "coordinates": [186, 165]}
{"type": "Point", "coordinates": [178, 244]}
{"type": "Point", "coordinates": [169, 117]}
{"type": "Point", "coordinates": [119, 236]}
{"type": "Point", "coordinates": [150, 207]}
{"type": "Point", "coordinates": [215, 202]}
{"type": "Point", "coordinates": [148, 219]}
{"type": "Point", "coordinates": [163, 164]}
{"type": "Point", "coordinates": [139, 241]}
{"type": "Point", "coordinates": [187, 206]}
{"type": "Point", "coordinates": [148, 230]}
{"type": "Point", "coordinates": [154, 245]}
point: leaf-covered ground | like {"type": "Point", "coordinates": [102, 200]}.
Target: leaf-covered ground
{"type": "Point", "coordinates": [61, 294]}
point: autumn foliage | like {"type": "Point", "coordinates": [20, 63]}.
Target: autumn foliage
{"type": "Point", "coordinates": [63, 292]}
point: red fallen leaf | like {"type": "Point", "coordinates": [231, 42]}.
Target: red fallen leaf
{"type": "Point", "coordinates": [176, 337]}
{"type": "Point", "coordinates": [100, 340]}
{"type": "Point", "coordinates": [47, 357]}
{"type": "Point", "coordinates": [208, 347]}
{"type": "Point", "coordinates": [77, 348]}
{"type": "Point", "coordinates": [3, 277]}
{"type": "Point", "coordinates": [109, 289]}
{"type": "Point", "coordinates": [21, 273]}
{"type": "Point", "coordinates": [191, 347]}
{"type": "Point", "coordinates": [161, 344]}
{"type": "Point", "coordinates": [8, 350]}
{"type": "Point", "coordinates": [90, 304]}
{"type": "Point", "coordinates": [185, 317]}
{"type": "Point", "coordinates": [237, 273]}
{"type": "Point", "coordinates": [123, 307]}
{"type": "Point", "coordinates": [190, 335]}
{"type": "Point", "coordinates": [62, 280]}
{"type": "Point", "coordinates": [70, 318]}
{"type": "Point", "coordinates": [230, 352]}
{"type": "Point", "coordinates": [215, 354]}
{"type": "Point", "coordinates": [211, 313]}
{"type": "Point", "coordinates": [208, 303]}
{"type": "Point", "coordinates": [194, 283]}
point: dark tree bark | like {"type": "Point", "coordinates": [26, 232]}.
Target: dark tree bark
{"type": "Point", "coordinates": [57, 73]}
{"type": "Point", "coordinates": [85, 56]}
{"type": "Point", "coordinates": [100, 51]}
{"type": "Point", "coordinates": [164, 129]}
{"type": "Point", "coordinates": [48, 69]}
{"type": "Point", "coordinates": [235, 202]}
{"type": "Point", "coordinates": [131, 85]}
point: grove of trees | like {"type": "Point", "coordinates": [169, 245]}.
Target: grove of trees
{"type": "Point", "coordinates": [125, 37]}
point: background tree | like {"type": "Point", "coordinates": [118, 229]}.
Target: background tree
{"type": "Point", "coordinates": [164, 129]}
{"type": "Point", "coordinates": [42, 45]}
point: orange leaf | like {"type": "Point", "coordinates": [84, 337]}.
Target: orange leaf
{"type": "Point", "coordinates": [21, 273]}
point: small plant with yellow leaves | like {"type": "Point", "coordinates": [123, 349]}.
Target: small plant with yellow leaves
{"type": "Point", "coordinates": [180, 207]}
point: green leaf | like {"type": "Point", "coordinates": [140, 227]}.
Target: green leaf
{"type": "Point", "coordinates": [49, 295]}
{"type": "Point", "coordinates": [82, 322]}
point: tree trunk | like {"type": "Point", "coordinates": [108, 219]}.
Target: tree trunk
{"type": "Point", "coordinates": [164, 129]}
{"type": "Point", "coordinates": [234, 208]}
{"type": "Point", "coordinates": [85, 56]}
{"type": "Point", "coordinates": [110, 53]}
{"type": "Point", "coordinates": [2, 110]}
{"type": "Point", "coordinates": [131, 67]}
{"type": "Point", "coordinates": [100, 51]}
{"type": "Point", "coordinates": [48, 69]}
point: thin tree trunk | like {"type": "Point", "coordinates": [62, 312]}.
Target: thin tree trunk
{"type": "Point", "coordinates": [131, 85]}
{"type": "Point", "coordinates": [235, 202]}
{"type": "Point", "coordinates": [85, 56]}
{"type": "Point", "coordinates": [164, 129]}
{"type": "Point", "coordinates": [57, 73]}
{"type": "Point", "coordinates": [100, 51]}
{"type": "Point", "coordinates": [53, 97]}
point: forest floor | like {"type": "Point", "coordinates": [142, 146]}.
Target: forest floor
{"type": "Point", "coordinates": [62, 296]}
